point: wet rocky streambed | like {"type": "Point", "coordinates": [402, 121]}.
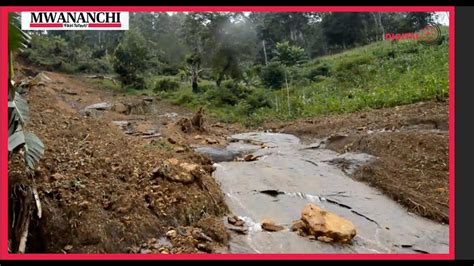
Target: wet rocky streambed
{"type": "Point", "coordinates": [282, 175]}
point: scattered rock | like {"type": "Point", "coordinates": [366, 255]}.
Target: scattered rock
{"type": "Point", "coordinates": [189, 167]}
{"type": "Point", "coordinates": [336, 137]}
{"type": "Point", "coordinates": [121, 108]}
{"type": "Point", "coordinates": [199, 235]}
{"type": "Point", "coordinates": [184, 178]}
{"type": "Point", "coordinates": [204, 247]}
{"type": "Point", "coordinates": [234, 220]}
{"type": "Point", "coordinates": [170, 115]}
{"type": "Point", "coordinates": [322, 223]}
{"type": "Point", "coordinates": [173, 170]}
{"type": "Point", "coordinates": [99, 106]}
{"type": "Point", "coordinates": [145, 251]}
{"type": "Point", "coordinates": [68, 91]}
{"type": "Point", "coordinates": [122, 124]}
{"type": "Point", "coordinates": [297, 225]}
{"type": "Point", "coordinates": [172, 234]}
{"type": "Point", "coordinates": [269, 225]}
{"type": "Point", "coordinates": [57, 176]}
{"type": "Point", "coordinates": [198, 137]}
{"type": "Point", "coordinates": [239, 230]}
{"type": "Point", "coordinates": [171, 140]}
{"type": "Point", "coordinates": [212, 141]}
{"type": "Point", "coordinates": [148, 99]}
{"type": "Point", "coordinates": [250, 157]}
{"type": "Point", "coordinates": [68, 248]}
{"type": "Point", "coordinates": [179, 149]}
{"type": "Point", "coordinates": [39, 80]}
{"type": "Point", "coordinates": [84, 205]}
{"type": "Point", "coordinates": [173, 161]}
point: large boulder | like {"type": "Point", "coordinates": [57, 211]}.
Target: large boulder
{"type": "Point", "coordinates": [327, 225]}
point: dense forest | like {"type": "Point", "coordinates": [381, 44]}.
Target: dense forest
{"type": "Point", "coordinates": [233, 60]}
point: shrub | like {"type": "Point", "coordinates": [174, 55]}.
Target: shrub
{"type": "Point", "coordinates": [273, 75]}
{"type": "Point", "coordinates": [322, 69]}
{"type": "Point", "coordinates": [166, 84]}
{"type": "Point", "coordinates": [186, 98]}
{"type": "Point", "coordinates": [170, 70]}
{"type": "Point", "coordinates": [206, 86]}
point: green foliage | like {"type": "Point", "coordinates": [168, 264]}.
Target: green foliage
{"type": "Point", "coordinates": [130, 58]}
{"type": "Point", "coordinates": [273, 75]}
{"type": "Point", "coordinates": [166, 84]}
{"type": "Point", "coordinates": [320, 70]}
{"type": "Point", "coordinates": [378, 75]}
{"type": "Point", "coordinates": [55, 54]}
{"type": "Point", "coordinates": [17, 106]}
{"type": "Point", "coordinates": [289, 55]}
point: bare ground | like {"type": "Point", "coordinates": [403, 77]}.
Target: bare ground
{"type": "Point", "coordinates": [99, 187]}
{"type": "Point", "coordinates": [411, 143]}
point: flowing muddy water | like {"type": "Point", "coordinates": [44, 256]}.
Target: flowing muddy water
{"type": "Point", "coordinates": [287, 175]}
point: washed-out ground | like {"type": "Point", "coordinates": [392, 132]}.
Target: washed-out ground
{"type": "Point", "coordinates": [103, 190]}
{"type": "Point", "coordinates": [411, 143]}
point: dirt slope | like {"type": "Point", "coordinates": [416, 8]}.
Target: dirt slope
{"type": "Point", "coordinates": [101, 189]}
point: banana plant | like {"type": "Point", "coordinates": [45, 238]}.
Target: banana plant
{"type": "Point", "coordinates": [18, 139]}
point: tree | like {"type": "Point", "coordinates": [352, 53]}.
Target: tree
{"type": "Point", "coordinates": [289, 54]}
{"type": "Point", "coordinates": [344, 29]}
{"type": "Point", "coordinates": [273, 75]}
{"type": "Point", "coordinates": [193, 68]}
{"type": "Point", "coordinates": [130, 59]}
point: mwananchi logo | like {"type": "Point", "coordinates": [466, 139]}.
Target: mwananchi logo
{"type": "Point", "coordinates": [105, 20]}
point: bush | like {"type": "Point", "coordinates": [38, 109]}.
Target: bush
{"type": "Point", "coordinates": [95, 66]}
{"type": "Point", "coordinates": [169, 70]}
{"type": "Point", "coordinates": [273, 75]}
{"type": "Point", "coordinates": [205, 86]}
{"type": "Point", "coordinates": [258, 99]}
{"type": "Point", "coordinates": [186, 98]}
{"type": "Point", "coordinates": [222, 96]}
{"type": "Point", "coordinates": [322, 69]}
{"type": "Point", "coordinates": [136, 83]}
{"type": "Point", "coordinates": [166, 84]}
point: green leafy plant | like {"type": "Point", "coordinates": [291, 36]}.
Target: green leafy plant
{"type": "Point", "coordinates": [24, 198]}
{"type": "Point", "coordinates": [273, 75]}
{"type": "Point", "coordinates": [166, 84]}
{"type": "Point", "coordinates": [17, 105]}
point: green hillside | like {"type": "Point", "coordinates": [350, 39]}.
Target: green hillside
{"type": "Point", "coordinates": [377, 75]}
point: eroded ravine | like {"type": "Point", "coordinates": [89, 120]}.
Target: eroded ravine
{"type": "Point", "coordinates": [288, 175]}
